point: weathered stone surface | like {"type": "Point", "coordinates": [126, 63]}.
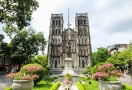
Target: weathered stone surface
{"type": "Point", "coordinates": [109, 85]}
{"type": "Point", "coordinates": [22, 84]}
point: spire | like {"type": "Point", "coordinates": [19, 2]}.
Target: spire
{"type": "Point", "coordinates": [68, 20]}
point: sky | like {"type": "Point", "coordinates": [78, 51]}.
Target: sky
{"type": "Point", "coordinates": [110, 21]}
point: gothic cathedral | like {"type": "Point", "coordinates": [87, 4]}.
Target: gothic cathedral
{"type": "Point", "coordinates": [79, 38]}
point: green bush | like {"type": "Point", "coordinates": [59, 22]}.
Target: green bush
{"type": "Point", "coordinates": [126, 87]}
{"type": "Point", "coordinates": [80, 86]}
{"type": "Point", "coordinates": [39, 72]}
{"type": "Point", "coordinates": [55, 86]}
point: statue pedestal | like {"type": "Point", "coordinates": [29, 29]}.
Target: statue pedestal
{"type": "Point", "coordinates": [68, 69]}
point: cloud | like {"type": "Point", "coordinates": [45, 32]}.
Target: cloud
{"type": "Point", "coordinates": [110, 21]}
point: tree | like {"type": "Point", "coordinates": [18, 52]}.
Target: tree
{"type": "Point", "coordinates": [116, 62]}
{"type": "Point", "coordinates": [17, 12]}
{"type": "Point", "coordinates": [87, 72]}
{"type": "Point", "coordinates": [100, 56]}
{"type": "Point", "coordinates": [25, 44]}
{"type": "Point", "coordinates": [47, 73]}
{"type": "Point", "coordinates": [42, 60]}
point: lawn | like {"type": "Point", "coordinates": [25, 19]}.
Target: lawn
{"type": "Point", "coordinates": [92, 86]}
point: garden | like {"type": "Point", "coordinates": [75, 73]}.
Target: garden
{"type": "Point", "coordinates": [106, 77]}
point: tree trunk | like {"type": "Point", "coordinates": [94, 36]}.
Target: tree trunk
{"type": "Point", "coordinates": [19, 67]}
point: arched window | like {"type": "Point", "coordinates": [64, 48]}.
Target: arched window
{"type": "Point", "coordinates": [56, 31]}
{"type": "Point", "coordinates": [53, 22]}
{"type": "Point", "coordinates": [56, 22]}
{"type": "Point", "coordinates": [84, 22]}
{"type": "Point", "coordinates": [78, 22]}
{"type": "Point", "coordinates": [83, 64]}
{"type": "Point", "coordinates": [81, 22]}
{"type": "Point", "coordinates": [55, 63]}
{"type": "Point", "coordinates": [59, 32]}
{"type": "Point", "coordinates": [59, 22]}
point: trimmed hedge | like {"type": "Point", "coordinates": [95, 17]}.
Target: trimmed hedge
{"type": "Point", "coordinates": [126, 87]}
{"type": "Point", "coordinates": [55, 86]}
{"type": "Point", "coordinates": [8, 88]}
{"type": "Point", "coordinates": [40, 72]}
{"type": "Point", "coordinates": [80, 86]}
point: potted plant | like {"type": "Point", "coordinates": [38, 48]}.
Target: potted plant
{"type": "Point", "coordinates": [67, 83]}
{"type": "Point", "coordinates": [107, 77]}
{"type": "Point", "coordinates": [24, 81]}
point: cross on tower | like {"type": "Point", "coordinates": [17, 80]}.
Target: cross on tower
{"type": "Point", "coordinates": [68, 25]}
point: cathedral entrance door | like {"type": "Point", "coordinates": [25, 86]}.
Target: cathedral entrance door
{"type": "Point", "coordinates": [55, 63]}
{"type": "Point", "coordinates": [83, 64]}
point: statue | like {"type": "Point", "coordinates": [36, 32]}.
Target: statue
{"type": "Point", "coordinates": [69, 49]}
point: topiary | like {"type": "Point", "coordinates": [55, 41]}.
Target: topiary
{"type": "Point", "coordinates": [34, 69]}
{"type": "Point", "coordinates": [80, 86]}
{"type": "Point", "coordinates": [55, 86]}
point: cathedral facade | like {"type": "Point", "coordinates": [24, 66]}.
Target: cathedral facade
{"type": "Point", "coordinates": [79, 39]}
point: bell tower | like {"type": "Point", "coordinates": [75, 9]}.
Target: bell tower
{"type": "Point", "coordinates": [55, 40]}
{"type": "Point", "coordinates": [84, 41]}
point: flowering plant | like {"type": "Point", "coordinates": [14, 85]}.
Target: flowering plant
{"type": "Point", "coordinates": [68, 80]}
{"type": "Point", "coordinates": [22, 76]}
{"type": "Point", "coordinates": [28, 75]}
{"type": "Point", "coordinates": [107, 72]}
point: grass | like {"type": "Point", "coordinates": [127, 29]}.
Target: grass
{"type": "Point", "coordinates": [44, 85]}
{"type": "Point", "coordinates": [92, 86]}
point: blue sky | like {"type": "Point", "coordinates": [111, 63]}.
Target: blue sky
{"type": "Point", "coordinates": [110, 21]}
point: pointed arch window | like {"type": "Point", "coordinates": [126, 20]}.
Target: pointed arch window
{"type": "Point", "coordinates": [56, 22]}
{"type": "Point", "coordinates": [56, 31]}
{"type": "Point", "coordinates": [53, 22]}
{"type": "Point", "coordinates": [83, 64]}
{"type": "Point", "coordinates": [55, 63]}
{"type": "Point", "coordinates": [81, 22]}
{"type": "Point", "coordinates": [59, 22]}
{"type": "Point", "coordinates": [84, 22]}
{"type": "Point", "coordinates": [78, 22]}
{"type": "Point", "coordinates": [59, 31]}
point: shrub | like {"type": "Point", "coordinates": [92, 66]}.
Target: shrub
{"type": "Point", "coordinates": [8, 88]}
{"type": "Point", "coordinates": [55, 86]}
{"type": "Point", "coordinates": [80, 86]}
{"type": "Point", "coordinates": [107, 72]}
{"type": "Point", "coordinates": [95, 67]}
{"type": "Point", "coordinates": [34, 69]}
{"type": "Point", "coordinates": [126, 87]}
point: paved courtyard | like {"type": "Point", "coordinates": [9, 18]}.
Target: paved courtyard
{"type": "Point", "coordinates": [5, 82]}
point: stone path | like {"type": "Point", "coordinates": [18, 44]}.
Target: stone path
{"type": "Point", "coordinates": [74, 87]}
{"type": "Point", "coordinates": [126, 80]}
{"type": "Point", "coordinates": [4, 82]}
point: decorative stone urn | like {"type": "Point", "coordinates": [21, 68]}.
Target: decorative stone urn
{"type": "Point", "coordinates": [22, 84]}
{"type": "Point", "coordinates": [109, 85]}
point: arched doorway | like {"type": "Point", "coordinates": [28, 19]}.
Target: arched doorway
{"type": "Point", "coordinates": [55, 63]}
{"type": "Point", "coordinates": [83, 64]}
